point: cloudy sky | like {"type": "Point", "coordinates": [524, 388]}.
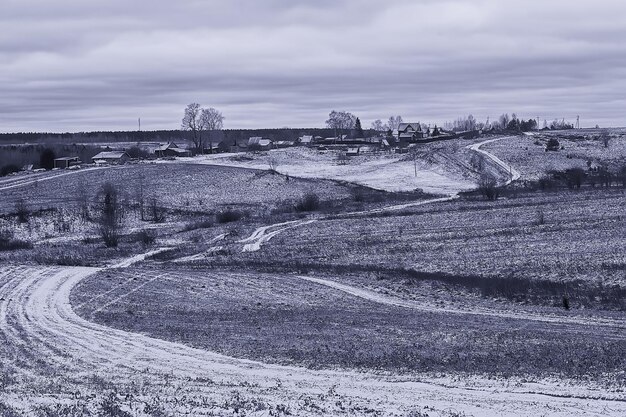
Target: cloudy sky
{"type": "Point", "coordinates": [78, 65]}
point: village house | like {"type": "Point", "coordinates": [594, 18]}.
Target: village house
{"type": "Point", "coordinates": [409, 132]}
{"type": "Point", "coordinates": [306, 140]}
{"type": "Point", "coordinates": [111, 157]}
{"type": "Point", "coordinates": [258, 143]}
{"type": "Point", "coordinates": [170, 149]}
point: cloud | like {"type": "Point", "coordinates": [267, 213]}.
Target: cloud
{"type": "Point", "coordinates": [75, 65]}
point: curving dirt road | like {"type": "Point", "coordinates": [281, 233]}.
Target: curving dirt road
{"type": "Point", "coordinates": [37, 321]}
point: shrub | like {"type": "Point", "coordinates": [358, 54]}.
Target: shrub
{"type": "Point", "coordinates": [157, 212]}
{"type": "Point", "coordinates": [229, 216]}
{"type": "Point", "coordinates": [21, 211]}
{"type": "Point", "coordinates": [574, 177]}
{"type": "Point", "coordinates": [488, 187]}
{"type": "Point", "coordinates": [146, 237]}
{"type": "Point", "coordinates": [198, 224]}
{"type": "Point", "coordinates": [553, 145]}
{"type": "Point", "coordinates": [7, 242]}
{"type": "Point", "coordinates": [310, 202]}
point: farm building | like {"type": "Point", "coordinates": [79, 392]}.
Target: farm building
{"type": "Point", "coordinates": [410, 132]}
{"type": "Point", "coordinates": [66, 162]}
{"type": "Point", "coordinates": [259, 143]}
{"type": "Point", "coordinates": [171, 149]}
{"type": "Point", "coordinates": [306, 140]}
{"type": "Point", "coordinates": [111, 157]}
{"type": "Point", "coordinates": [353, 151]}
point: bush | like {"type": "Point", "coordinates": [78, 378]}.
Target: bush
{"type": "Point", "coordinates": [553, 145]}
{"type": "Point", "coordinates": [7, 242]}
{"type": "Point", "coordinates": [198, 224]}
{"type": "Point", "coordinates": [575, 177]}
{"type": "Point", "coordinates": [21, 211]}
{"type": "Point", "coordinates": [146, 237]}
{"type": "Point", "coordinates": [310, 202]}
{"type": "Point", "coordinates": [228, 216]}
{"type": "Point", "coordinates": [488, 188]}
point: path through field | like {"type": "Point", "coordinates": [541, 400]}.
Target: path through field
{"type": "Point", "coordinates": [265, 233]}
{"type": "Point", "coordinates": [513, 174]}
{"type": "Point", "coordinates": [23, 181]}
{"type": "Point", "coordinates": [37, 321]}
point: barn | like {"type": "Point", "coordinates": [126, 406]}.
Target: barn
{"type": "Point", "coordinates": [170, 149]}
{"type": "Point", "coordinates": [66, 162]}
{"type": "Point", "coordinates": [111, 157]}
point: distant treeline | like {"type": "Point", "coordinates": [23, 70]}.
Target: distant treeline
{"type": "Point", "coordinates": [232, 135]}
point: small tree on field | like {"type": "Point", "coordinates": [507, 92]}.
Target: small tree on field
{"type": "Point", "coordinates": [157, 212]}
{"type": "Point", "coordinates": [111, 214]}
{"type": "Point", "coordinates": [605, 138]}
{"type": "Point", "coordinates": [575, 177]}
{"type": "Point", "coordinates": [488, 187]}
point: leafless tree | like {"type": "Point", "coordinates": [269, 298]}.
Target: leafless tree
{"type": "Point", "coordinates": [210, 121]}
{"type": "Point", "coordinates": [192, 122]}
{"type": "Point", "coordinates": [156, 211]}
{"type": "Point", "coordinates": [605, 137]}
{"type": "Point", "coordinates": [340, 121]}
{"type": "Point", "coordinates": [394, 122]}
{"type": "Point", "coordinates": [378, 126]}
{"type": "Point", "coordinates": [111, 214]}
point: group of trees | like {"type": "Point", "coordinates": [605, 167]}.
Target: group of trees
{"type": "Point", "coordinates": [392, 124]}
{"type": "Point", "coordinates": [198, 121]}
{"type": "Point", "coordinates": [341, 122]}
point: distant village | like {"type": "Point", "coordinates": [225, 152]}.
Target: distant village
{"type": "Point", "coordinates": [399, 140]}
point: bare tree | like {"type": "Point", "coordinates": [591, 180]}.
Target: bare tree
{"type": "Point", "coordinates": [394, 122]}
{"type": "Point", "coordinates": [378, 126]}
{"type": "Point", "coordinates": [340, 121]}
{"type": "Point", "coordinates": [211, 120]}
{"type": "Point", "coordinates": [110, 215]}
{"type": "Point", "coordinates": [605, 137]}
{"type": "Point", "coordinates": [192, 122]}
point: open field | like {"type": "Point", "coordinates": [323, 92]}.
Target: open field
{"type": "Point", "coordinates": [528, 153]}
{"type": "Point", "coordinates": [566, 237]}
{"type": "Point", "coordinates": [289, 319]}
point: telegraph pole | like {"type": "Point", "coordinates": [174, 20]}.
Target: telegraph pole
{"type": "Point", "coordinates": [139, 121]}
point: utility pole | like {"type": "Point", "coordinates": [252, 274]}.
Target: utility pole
{"type": "Point", "coordinates": [577, 122]}
{"type": "Point", "coordinates": [139, 120]}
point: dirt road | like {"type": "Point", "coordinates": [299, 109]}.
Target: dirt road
{"type": "Point", "coordinates": [37, 321]}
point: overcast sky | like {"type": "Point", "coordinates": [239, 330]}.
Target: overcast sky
{"type": "Point", "coordinates": [76, 65]}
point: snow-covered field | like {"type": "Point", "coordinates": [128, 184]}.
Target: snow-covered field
{"type": "Point", "coordinates": [382, 171]}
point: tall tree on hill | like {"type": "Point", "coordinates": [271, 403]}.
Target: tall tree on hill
{"type": "Point", "coordinates": [192, 123]}
{"type": "Point", "coordinates": [358, 129]}
{"type": "Point", "coordinates": [340, 122]}
{"type": "Point", "coordinates": [210, 121]}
